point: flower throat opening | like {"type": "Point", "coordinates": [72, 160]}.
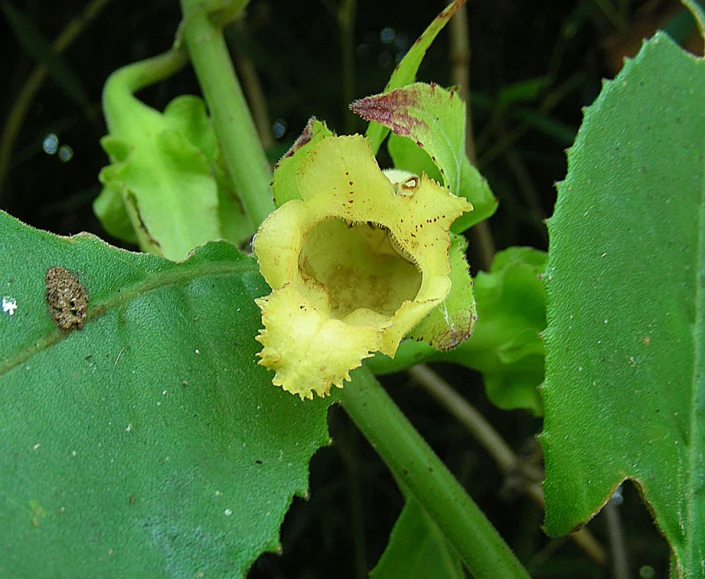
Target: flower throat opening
{"type": "Point", "coordinates": [359, 267]}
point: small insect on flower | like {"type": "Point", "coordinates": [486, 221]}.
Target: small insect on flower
{"type": "Point", "coordinates": [355, 259]}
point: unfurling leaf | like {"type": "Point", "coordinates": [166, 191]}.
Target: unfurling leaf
{"type": "Point", "coordinates": [165, 187]}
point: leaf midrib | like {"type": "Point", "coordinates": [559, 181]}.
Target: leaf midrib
{"type": "Point", "coordinates": [154, 281]}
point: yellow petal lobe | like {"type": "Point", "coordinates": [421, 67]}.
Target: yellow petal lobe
{"type": "Point", "coordinates": [309, 350]}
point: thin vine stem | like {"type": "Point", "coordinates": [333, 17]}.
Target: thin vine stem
{"type": "Point", "coordinates": [119, 107]}
{"type": "Point", "coordinates": [410, 458]}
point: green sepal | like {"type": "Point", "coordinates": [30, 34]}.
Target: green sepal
{"type": "Point", "coordinates": [284, 185]}
{"type": "Point", "coordinates": [506, 345]}
{"type": "Point", "coordinates": [452, 322]}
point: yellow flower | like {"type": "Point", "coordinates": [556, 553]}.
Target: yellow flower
{"type": "Point", "coordinates": [354, 264]}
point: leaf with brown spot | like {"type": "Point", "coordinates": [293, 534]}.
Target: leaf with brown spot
{"type": "Point", "coordinates": [433, 118]}
{"type": "Point", "coordinates": [405, 72]}
{"type": "Point", "coordinates": [140, 432]}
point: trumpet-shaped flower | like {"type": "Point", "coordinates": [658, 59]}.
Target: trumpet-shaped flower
{"type": "Point", "coordinates": [354, 263]}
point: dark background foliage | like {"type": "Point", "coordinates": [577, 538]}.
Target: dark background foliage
{"type": "Point", "coordinates": [534, 65]}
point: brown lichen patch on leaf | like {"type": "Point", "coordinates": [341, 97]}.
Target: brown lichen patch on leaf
{"type": "Point", "coordinates": [67, 299]}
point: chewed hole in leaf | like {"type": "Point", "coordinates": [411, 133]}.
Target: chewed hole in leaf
{"type": "Point", "coordinates": [359, 266]}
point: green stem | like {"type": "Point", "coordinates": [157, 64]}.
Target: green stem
{"type": "Point", "coordinates": [124, 113]}
{"type": "Point", "coordinates": [242, 151]}
{"type": "Point", "coordinates": [410, 458]}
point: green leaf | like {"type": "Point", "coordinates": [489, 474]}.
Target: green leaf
{"type": "Point", "coordinates": [408, 156]}
{"type": "Point", "coordinates": [505, 344]}
{"type": "Point", "coordinates": [405, 72]}
{"type": "Point", "coordinates": [166, 169]}
{"type": "Point", "coordinates": [110, 208]}
{"type": "Point", "coordinates": [150, 443]}
{"type": "Point", "coordinates": [170, 192]}
{"type": "Point", "coordinates": [284, 184]}
{"type": "Point", "coordinates": [434, 118]}
{"type": "Point", "coordinates": [452, 322]}
{"type": "Point", "coordinates": [417, 549]}
{"type": "Point", "coordinates": [625, 385]}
